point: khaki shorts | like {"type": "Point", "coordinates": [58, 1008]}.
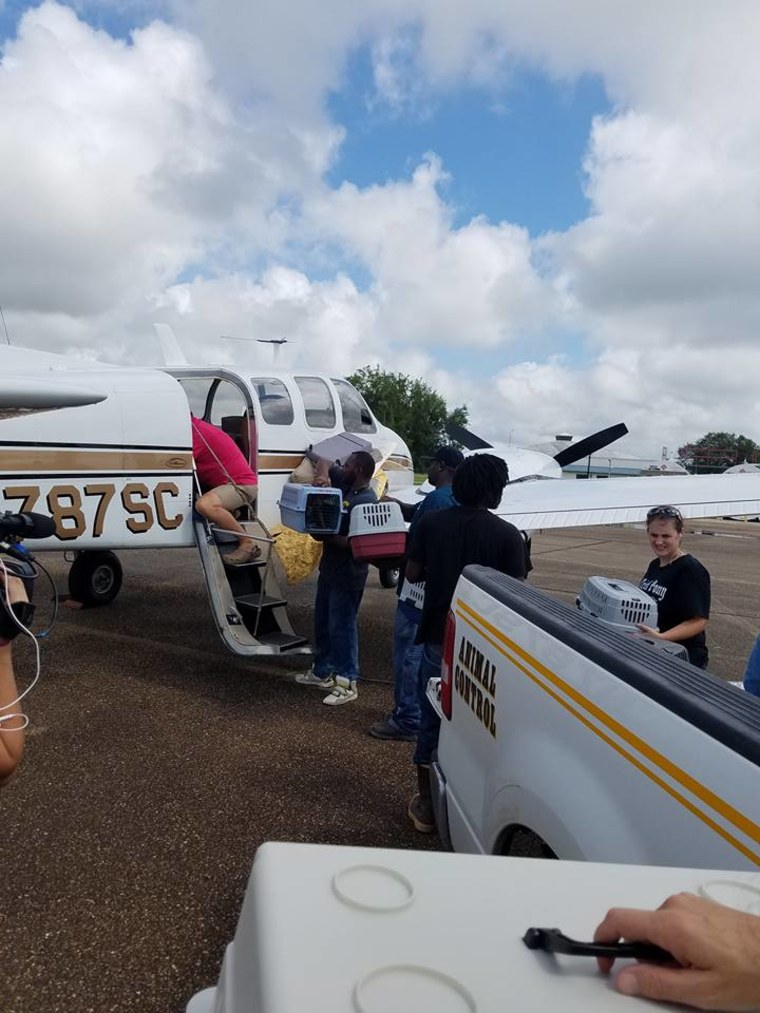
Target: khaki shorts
{"type": "Point", "coordinates": [233, 497]}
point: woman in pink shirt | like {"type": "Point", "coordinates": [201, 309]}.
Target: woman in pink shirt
{"type": "Point", "coordinates": [227, 483]}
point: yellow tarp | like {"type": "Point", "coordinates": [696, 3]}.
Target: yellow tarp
{"type": "Point", "coordinates": [299, 554]}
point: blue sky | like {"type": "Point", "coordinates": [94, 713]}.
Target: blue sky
{"type": "Point", "coordinates": [517, 159]}
{"type": "Point", "coordinates": [536, 203]}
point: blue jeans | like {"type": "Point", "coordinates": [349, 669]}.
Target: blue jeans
{"type": "Point", "coordinates": [406, 662]}
{"type": "Point", "coordinates": [430, 723]}
{"type": "Point", "coordinates": [752, 675]}
{"type": "Point", "coordinates": [336, 636]}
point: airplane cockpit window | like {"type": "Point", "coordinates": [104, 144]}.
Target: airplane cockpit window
{"type": "Point", "coordinates": [357, 417]}
{"type": "Point", "coordinates": [276, 406]}
{"type": "Point", "coordinates": [317, 402]}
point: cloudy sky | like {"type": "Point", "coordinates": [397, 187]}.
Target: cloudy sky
{"type": "Point", "coordinates": [548, 210]}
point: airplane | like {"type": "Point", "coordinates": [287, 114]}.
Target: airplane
{"type": "Point", "coordinates": [276, 343]}
{"type": "Point", "coordinates": [114, 468]}
{"type": "Point", "coordinates": [524, 464]}
{"type": "Point", "coordinates": [533, 500]}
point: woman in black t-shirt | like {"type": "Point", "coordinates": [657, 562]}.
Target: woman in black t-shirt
{"type": "Point", "coordinates": [679, 584]}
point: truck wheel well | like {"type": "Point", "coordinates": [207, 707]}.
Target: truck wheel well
{"type": "Point", "coordinates": [521, 842]}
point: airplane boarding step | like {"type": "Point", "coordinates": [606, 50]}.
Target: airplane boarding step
{"type": "Point", "coordinates": [248, 607]}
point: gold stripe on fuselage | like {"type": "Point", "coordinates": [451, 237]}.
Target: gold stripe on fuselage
{"type": "Point", "coordinates": [37, 460]}
{"type": "Point", "coordinates": [279, 462]}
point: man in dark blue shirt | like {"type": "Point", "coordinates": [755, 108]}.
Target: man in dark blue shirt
{"type": "Point", "coordinates": [404, 720]}
{"type": "Point", "coordinates": [339, 593]}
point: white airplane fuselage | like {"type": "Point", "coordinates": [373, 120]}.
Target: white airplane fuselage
{"type": "Point", "coordinates": [119, 473]}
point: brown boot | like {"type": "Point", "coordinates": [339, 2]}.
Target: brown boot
{"type": "Point", "coordinates": [420, 810]}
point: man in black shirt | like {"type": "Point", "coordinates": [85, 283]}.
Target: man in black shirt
{"type": "Point", "coordinates": [440, 548]}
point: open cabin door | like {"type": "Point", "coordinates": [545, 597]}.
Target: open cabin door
{"type": "Point", "coordinates": [248, 607]}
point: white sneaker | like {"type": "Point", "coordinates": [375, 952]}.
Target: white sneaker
{"type": "Point", "coordinates": [344, 691]}
{"type": "Point", "coordinates": [310, 679]}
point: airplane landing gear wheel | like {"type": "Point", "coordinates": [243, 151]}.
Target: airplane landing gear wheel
{"type": "Point", "coordinates": [95, 577]}
{"type": "Point", "coordinates": [389, 576]}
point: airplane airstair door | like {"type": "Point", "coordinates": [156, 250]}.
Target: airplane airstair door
{"type": "Point", "coordinates": [248, 608]}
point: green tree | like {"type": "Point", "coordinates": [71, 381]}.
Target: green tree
{"type": "Point", "coordinates": [714, 452]}
{"type": "Point", "coordinates": [409, 406]}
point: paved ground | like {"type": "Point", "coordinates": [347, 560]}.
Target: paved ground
{"type": "Point", "coordinates": [157, 763]}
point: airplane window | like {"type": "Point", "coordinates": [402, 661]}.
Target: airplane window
{"type": "Point", "coordinates": [196, 391]}
{"type": "Point", "coordinates": [228, 401]}
{"type": "Point", "coordinates": [276, 406]}
{"type": "Point", "coordinates": [317, 402]}
{"type": "Point", "coordinates": [357, 417]}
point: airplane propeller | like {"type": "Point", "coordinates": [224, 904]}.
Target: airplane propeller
{"type": "Point", "coordinates": [590, 445]}
{"type": "Point", "coordinates": [583, 448]}
{"type": "Point", "coordinates": [465, 438]}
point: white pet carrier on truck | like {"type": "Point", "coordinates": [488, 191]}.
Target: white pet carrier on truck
{"type": "Point", "coordinates": [617, 602]}
{"type": "Point", "coordinates": [623, 605]}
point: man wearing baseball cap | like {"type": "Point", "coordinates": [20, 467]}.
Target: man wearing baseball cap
{"type": "Point", "coordinates": [403, 722]}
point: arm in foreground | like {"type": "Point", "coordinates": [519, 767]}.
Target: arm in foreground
{"type": "Point", "coordinates": [11, 729]}
{"type": "Point", "coordinates": [717, 949]}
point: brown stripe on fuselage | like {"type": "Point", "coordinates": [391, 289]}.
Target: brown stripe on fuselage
{"type": "Point", "coordinates": [267, 462]}
{"type": "Point", "coordinates": [38, 461]}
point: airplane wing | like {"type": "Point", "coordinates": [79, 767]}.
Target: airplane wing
{"type": "Point", "coordinates": [562, 503]}
{"type": "Point", "coordinates": [20, 394]}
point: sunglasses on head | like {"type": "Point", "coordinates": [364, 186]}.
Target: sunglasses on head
{"type": "Point", "coordinates": [666, 512]}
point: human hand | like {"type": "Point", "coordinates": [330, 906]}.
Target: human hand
{"type": "Point", "coordinates": [321, 480]}
{"type": "Point", "coordinates": [649, 631]}
{"type": "Point", "coordinates": [15, 589]}
{"type": "Point", "coordinates": [717, 948]}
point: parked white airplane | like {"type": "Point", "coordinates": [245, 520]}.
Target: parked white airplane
{"type": "Point", "coordinates": [531, 503]}
{"type": "Point", "coordinates": [114, 468]}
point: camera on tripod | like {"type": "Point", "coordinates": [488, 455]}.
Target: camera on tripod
{"type": "Point", "coordinates": [17, 562]}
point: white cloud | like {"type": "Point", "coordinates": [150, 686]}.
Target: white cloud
{"type": "Point", "coordinates": [181, 174]}
{"type": "Point", "coordinates": [325, 322]}
{"type": "Point", "coordinates": [435, 284]}
{"type": "Point", "coordinates": [663, 393]}
{"type": "Point", "coordinates": [99, 132]}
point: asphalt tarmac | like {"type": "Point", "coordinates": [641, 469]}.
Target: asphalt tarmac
{"type": "Point", "coordinates": [157, 763]}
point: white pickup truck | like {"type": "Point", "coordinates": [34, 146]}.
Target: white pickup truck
{"type": "Point", "coordinates": [589, 744]}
